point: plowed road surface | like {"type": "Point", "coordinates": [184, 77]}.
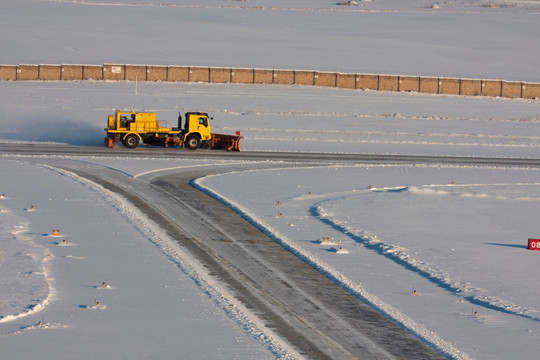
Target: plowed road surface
{"type": "Point", "coordinates": [317, 317]}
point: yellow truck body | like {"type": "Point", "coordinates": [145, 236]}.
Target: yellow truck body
{"type": "Point", "coordinates": [131, 127]}
{"type": "Point", "coordinates": [137, 122]}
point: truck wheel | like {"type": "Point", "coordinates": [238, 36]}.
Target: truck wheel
{"type": "Point", "coordinates": [193, 142]}
{"type": "Point", "coordinates": [131, 141]}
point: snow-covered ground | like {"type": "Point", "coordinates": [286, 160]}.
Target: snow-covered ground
{"type": "Point", "coordinates": [472, 39]}
{"type": "Point", "coordinates": [109, 286]}
{"type": "Point", "coordinates": [431, 246]}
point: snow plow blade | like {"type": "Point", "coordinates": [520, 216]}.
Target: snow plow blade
{"type": "Point", "coordinates": [227, 142]}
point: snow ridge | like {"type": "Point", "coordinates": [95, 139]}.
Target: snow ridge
{"type": "Point", "coordinates": [220, 295]}
{"type": "Point", "coordinates": [357, 290]}
{"type": "Point", "coordinates": [400, 256]}
{"type": "Point", "coordinates": [29, 253]}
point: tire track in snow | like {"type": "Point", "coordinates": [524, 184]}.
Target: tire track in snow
{"type": "Point", "coordinates": [318, 317]}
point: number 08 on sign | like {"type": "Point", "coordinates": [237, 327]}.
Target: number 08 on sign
{"type": "Point", "coordinates": [534, 244]}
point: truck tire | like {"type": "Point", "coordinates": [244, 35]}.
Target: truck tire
{"type": "Point", "coordinates": [193, 142]}
{"type": "Point", "coordinates": [131, 141]}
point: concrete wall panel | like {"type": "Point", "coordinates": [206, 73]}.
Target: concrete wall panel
{"type": "Point", "coordinates": [303, 77]}
{"type": "Point", "coordinates": [429, 85]}
{"type": "Point", "coordinates": [491, 88]}
{"type": "Point", "coordinates": [50, 72]}
{"type": "Point", "coordinates": [114, 72]}
{"type": "Point", "coordinates": [178, 73]}
{"type": "Point", "coordinates": [511, 89]}
{"type": "Point", "coordinates": [367, 81]}
{"type": "Point", "coordinates": [449, 86]}
{"type": "Point", "coordinates": [220, 75]}
{"type": "Point", "coordinates": [325, 79]}
{"type": "Point", "coordinates": [92, 72]}
{"type": "Point", "coordinates": [28, 72]}
{"type": "Point", "coordinates": [471, 87]}
{"type": "Point", "coordinates": [263, 76]}
{"type": "Point", "coordinates": [71, 72]}
{"type": "Point", "coordinates": [135, 72]}
{"type": "Point", "coordinates": [409, 83]}
{"type": "Point", "coordinates": [388, 82]}
{"type": "Point", "coordinates": [8, 72]}
{"type": "Point", "coordinates": [199, 74]}
{"type": "Point", "coordinates": [156, 73]}
{"type": "Point", "coordinates": [530, 91]}
{"type": "Point", "coordinates": [284, 77]}
{"type": "Point", "coordinates": [346, 81]}
{"type": "Point", "coordinates": [242, 76]}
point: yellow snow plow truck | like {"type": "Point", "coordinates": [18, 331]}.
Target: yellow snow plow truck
{"type": "Point", "coordinates": [131, 128]}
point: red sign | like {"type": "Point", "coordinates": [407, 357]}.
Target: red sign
{"type": "Point", "coordinates": [534, 244]}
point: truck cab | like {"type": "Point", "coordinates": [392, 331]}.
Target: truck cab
{"type": "Point", "coordinates": [196, 130]}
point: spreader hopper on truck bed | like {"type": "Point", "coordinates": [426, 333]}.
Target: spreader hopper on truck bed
{"type": "Point", "coordinates": [131, 128]}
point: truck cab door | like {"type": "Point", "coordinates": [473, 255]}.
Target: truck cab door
{"type": "Point", "coordinates": [204, 127]}
{"type": "Point", "coordinates": [203, 123]}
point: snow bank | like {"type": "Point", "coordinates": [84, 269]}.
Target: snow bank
{"type": "Point", "coordinates": [55, 303]}
{"type": "Point", "coordinates": [437, 232]}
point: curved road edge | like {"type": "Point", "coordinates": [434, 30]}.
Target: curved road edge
{"type": "Point", "coordinates": [316, 316]}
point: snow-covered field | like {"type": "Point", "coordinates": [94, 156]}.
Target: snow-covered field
{"type": "Point", "coordinates": [431, 246]}
{"type": "Point", "coordinates": [494, 39]}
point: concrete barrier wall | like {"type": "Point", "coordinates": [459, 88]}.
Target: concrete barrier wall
{"type": "Point", "coordinates": [220, 75]}
{"type": "Point", "coordinates": [8, 72]}
{"type": "Point", "coordinates": [243, 76]}
{"type": "Point", "coordinates": [409, 83]}
{"type": "Point", "coordinates": [263, 76]}
{"type": "Point", "coordinates": [303, 77]}
{"type": "Point", "coordinates": [429, 85]}
{"type": "Point", "coordinates": [449, 86]}
{"type": "Point", "coordinates": [325, 79]}
{"type": "Point", "coordinates": [49, 72]}
{"type": "Point", "coordinates": [28, 72]}
{"type": "Point", "coordinates": [491, 88]}
{"type": "Point", "coordinates": [135, 72]}
{"type": "Point", "coordinates": [470, 87]}
{"type": "Point", "coordinates": [284, 77]}
{"type": "Point", "coordinates": [530, 91]}
{"type": "Point", "coordinates": [93, 72]}
{"type": "Point", "coordinates": [156, 73]}
{"type": "Point", "coordinates": [346, 81]}
{"type": "Point", "coordinates": [199, 74]}
{"type": "Point", "coordinates": [114, 72]}
{"type": "Point", "coordinates": [367, 81]}
{"type": "Point", "coordinates": [178, 73]}
{"type": "Point", "coordinates": [71, 72]}
{"type": "Point", "coordinates": [510, 89]}
{"type": "Point", "coordinates": [388, 83]}
{"type": "Point", "coordinates": [120, 72]}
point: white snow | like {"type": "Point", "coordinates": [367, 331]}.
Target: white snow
{"type": "Point", "coordinates": [462, 246]}
{"type": "Point", "coordinates": [440, 249]}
